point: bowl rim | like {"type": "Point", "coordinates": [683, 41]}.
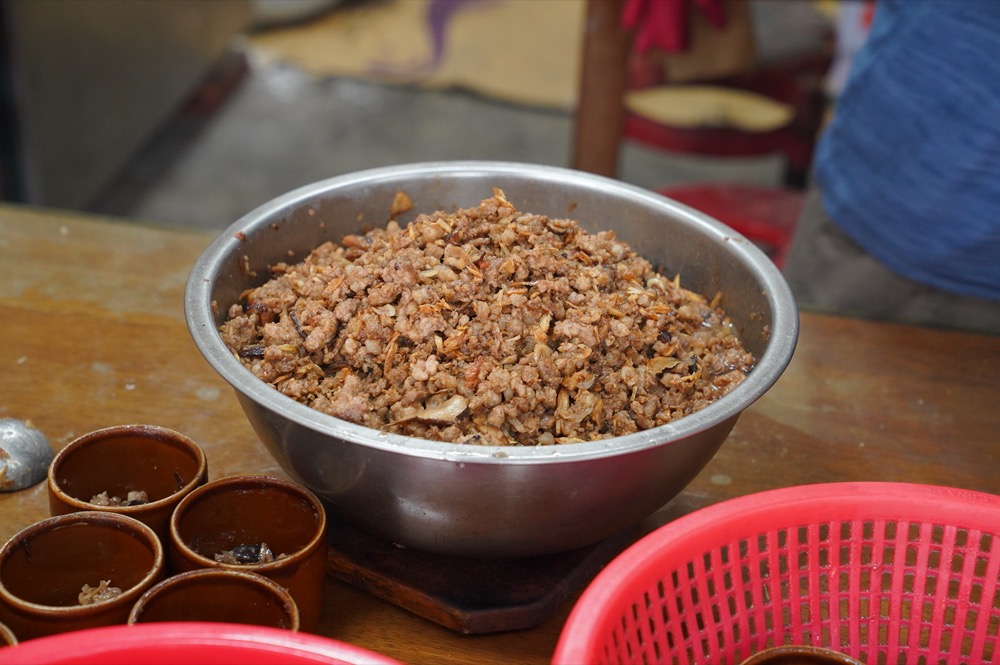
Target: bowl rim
{"type": "Point", "coordinates": [780, 346]}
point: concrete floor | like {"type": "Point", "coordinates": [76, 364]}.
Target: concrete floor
{"type": "Point", "coordinates": [283, 128]}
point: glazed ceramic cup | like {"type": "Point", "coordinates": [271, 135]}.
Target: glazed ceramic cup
{"type": "Point", "coordinates": [114, 461]}
{"type": "Point", "coordinates": [233, 518]}
{"type": "Point", "coordinates": [219, 595]}
{"type": "Point", "coordinates": [799, 655]}
{"type": "Point", "coordinates": [45, 568]}
{"type": "Point", "coordinates": [7, 637]}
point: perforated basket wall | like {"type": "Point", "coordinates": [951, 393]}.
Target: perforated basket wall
{"type": "Point", "coordinates": [889, 573]}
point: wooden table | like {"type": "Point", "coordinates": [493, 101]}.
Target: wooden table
{"type": "Point", "coordinates": [93, 334]}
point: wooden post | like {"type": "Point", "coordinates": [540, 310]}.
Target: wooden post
{"type": "Point", "coordinates": [600, 111]}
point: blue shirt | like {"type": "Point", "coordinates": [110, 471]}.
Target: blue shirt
{"type": "Point", "coordinates": [910, 165]}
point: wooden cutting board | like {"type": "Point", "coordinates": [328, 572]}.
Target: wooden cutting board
{"type": "Point", "coordinates": [471, 596]}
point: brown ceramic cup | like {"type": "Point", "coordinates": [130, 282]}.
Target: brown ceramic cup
{"type": "Point", "coordinates": [226, 523]}
{"type": "Point", "coordinates": [45, 568]}
{"type": "Point", "coordinates": [799, 655]}
{"type": "Point", "coordinates": [115, 461]}
{"type": "Point", "coordinates": [7, 637]}
{"type": "Point", "coordinates": [218, 595]}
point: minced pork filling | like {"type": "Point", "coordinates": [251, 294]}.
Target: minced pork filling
{"type": "Point", "coordinates": [487, 326]}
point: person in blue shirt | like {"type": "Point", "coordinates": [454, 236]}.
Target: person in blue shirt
{"type": "Point", "coordinates": [902, 222]}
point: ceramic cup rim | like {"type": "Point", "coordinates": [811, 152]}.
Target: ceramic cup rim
{"type": "Point", "coordinates": [7, 636]}
{"type": "Point", "coordinates": [95, 517]}
{"type": "Point", "coordinates": [95, 437]}
{"type": "Point", "coordinates": [262, 480]}
{"type": "Point", "coordinates": [277, 591]}
{"type": "Point", "coordinates": [773, 653]}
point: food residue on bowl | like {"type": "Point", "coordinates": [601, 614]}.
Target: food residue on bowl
{"type": "Point", "coordinates": [98, 594]}
{"type": "Point", "coordinates": [133, 498]}
{"type": "Point", "coordinates": [248, 555]}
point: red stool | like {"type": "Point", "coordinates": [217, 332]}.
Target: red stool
{"type": "Point", "coordinates": [765, 215]}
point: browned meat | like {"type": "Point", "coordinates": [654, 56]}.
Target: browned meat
{"type": "Point", "coordinates": [487, 325]}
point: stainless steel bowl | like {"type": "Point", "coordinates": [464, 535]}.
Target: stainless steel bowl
{"type": "Point", "coordinates": [492, 501]}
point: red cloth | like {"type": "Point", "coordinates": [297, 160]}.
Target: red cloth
{"type": "Point", "coordinates": [663, 24]}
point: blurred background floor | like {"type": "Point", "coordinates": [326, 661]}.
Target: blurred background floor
{"type": "Point", "coordinates": [283, 125]}
{"type": "Point", "coordinates": [283, 128]}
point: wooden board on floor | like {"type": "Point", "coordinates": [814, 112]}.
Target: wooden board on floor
{"type": "Point", "coordinates": [471, 596]}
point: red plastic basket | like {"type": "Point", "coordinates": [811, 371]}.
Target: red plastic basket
{"type": "Point", "coordinates": [188, 644]}
{"type": "Point", "coordinates": [885, 572]}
